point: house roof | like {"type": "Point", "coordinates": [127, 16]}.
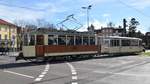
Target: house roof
{"type": "Point", "coordinates": [3, 22]}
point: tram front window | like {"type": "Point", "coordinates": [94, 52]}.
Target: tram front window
{"type": "Point", "coordinates": [32, 40]}
{"type": "Point", "coordinates": [25, 40]}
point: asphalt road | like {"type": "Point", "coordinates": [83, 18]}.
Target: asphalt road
{"type": "Point", "coordinates": [99, 70]}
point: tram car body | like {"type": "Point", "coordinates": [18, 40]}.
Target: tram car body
{"type": "Point", "coordinates": [60, 43]}
{"type": "Point", "coordinates": [120, 45]}
{"type": "Point", "coordinates": [48, 44]}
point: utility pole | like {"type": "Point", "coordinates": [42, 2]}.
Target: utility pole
{"type": "Point", "coordinates": [87, 8]}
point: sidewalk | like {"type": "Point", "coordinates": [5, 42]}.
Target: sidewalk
{"type": "Point", "coordinates": [13, 54]}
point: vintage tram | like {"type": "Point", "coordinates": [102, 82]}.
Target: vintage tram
{"type": "Point", "coordinates": [45, 45]}
{"type": "Point", "coordinates": [51, 44]}
{"type": "Point", "coordinates": [120, 45]}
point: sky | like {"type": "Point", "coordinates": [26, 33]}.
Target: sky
{"type": "Point", "coordinates": [55, 11]}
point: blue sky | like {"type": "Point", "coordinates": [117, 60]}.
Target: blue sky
{"type": "Point", "coordinates": [54, 11]}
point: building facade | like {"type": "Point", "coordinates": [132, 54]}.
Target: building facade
{"type": "Point", "coordinates": [109, 31]}
{"type": "Point", "coordinates": [8, 34]}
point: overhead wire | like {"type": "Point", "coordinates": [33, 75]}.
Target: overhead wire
{"type": "Point", "coordinates": [23, 7]}
{"type": "Point", "coordinates": [129, 6]}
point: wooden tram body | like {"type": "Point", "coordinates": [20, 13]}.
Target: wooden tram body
{"type": "Point", "coordinates": [51, 44]}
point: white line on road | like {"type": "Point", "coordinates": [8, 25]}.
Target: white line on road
{"type": "Point", "coordinates": [74, 83]}
{"type": "Point", "coordinates": [74, 77]}
{"type": "Point", "coordinates": [18, 74]}
{"type": "Point", "coordinates": [40, 77]}
{"type": "Point", "coordinates": [74, 73]}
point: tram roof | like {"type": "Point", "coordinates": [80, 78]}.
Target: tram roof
{"type": "Point", "coordinates": [41, 32]}
{"type": "Point", "coordinates": [119, 37]}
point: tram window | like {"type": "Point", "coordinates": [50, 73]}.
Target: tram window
{"type": "Point", "coordinates": [25, 40]}
{"type": "Point", "coordinates": [114, 42]}
{"type": "Point", "coordinates": [85, 41]}
{"type": "Point", "coordinates": [125, 42]}
{"type": "Point", "coordinates": [32, 40]}
{"type": "Point", "coordinates": [52, 40]}
{"type": "Point", "coordinates": [70, 40]}
{"type": "Point", "coordinates": [40, 40]}
{"type": "Point", "coordinates": [61, 40]}
{"type": "Point", "coordinates": [92, 41]}
{"type": "Point", "coordinates": [106, 42]}
{"type": "Point", "coordinates": [140, 43]}
{"type": "Point", "coordinates": [134, 43]}
{"type": "Point", "coordinates": [78, 40]}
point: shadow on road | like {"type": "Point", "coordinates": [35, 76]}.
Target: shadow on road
{"type": "Point", "coordinates": [56, 61]}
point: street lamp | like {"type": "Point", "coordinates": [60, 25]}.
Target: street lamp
{"type": "Point", "coordinates": [87, 8]}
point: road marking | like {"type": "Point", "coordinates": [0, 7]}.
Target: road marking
{"type": "Point", "coordinates": [74, 73]}
{"type": "Point", "coordinates": [40, 77]}
{"type": "Point", "coordinates": [44, 73]}
{"type": "Point", "coordinates": [18, 74]}
{"type": "Point", "coordinates": [74, 83]}
{"type": "Point", "coordinates": [74, 77]}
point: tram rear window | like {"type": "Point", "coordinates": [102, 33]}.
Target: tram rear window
{"type": "Point", "coordinates": [114, 43]}
{"type": "Point", "coordinates": [125, 42]}
{"type": "Point", "coordinates": [134, 42]}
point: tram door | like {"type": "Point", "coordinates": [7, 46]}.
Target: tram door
{"type": "Point", "coordinates": [40, 45]}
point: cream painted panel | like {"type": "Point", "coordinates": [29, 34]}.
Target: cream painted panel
{"type": "Point", "coordinates": [29, 51]}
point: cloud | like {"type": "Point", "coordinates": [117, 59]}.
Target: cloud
{"type": "Point", "coordinates": [106, 15]}
{"type": "Point", "coordinates": [42, 10]}
{"type": "Point", "coordinates": [97, 24]}
{"type": "Point", "coordinates": [140, 4]}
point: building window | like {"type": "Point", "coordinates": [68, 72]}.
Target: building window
{"type": "Point", "coordinates": [5, 37]}
{"type": "Point", "coordinates": [5, 28]}
{"type": "Point", "coordinates": [0, 37]}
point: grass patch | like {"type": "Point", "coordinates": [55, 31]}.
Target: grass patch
{"type": "Point", "coordinates": [146, 53]}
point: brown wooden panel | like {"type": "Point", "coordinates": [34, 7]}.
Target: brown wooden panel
{"type": "Point", "coordinates": [39, 50]}
{"type": "Point", "coordinates": [63, 48]}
